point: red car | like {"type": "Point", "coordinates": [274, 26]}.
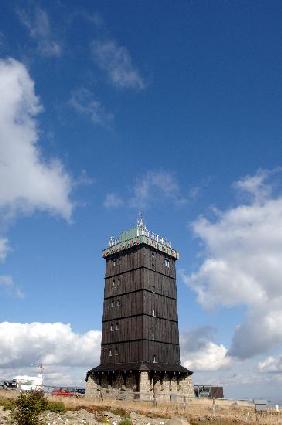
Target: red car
{"type": "Point", "coordinates": [63, 392]}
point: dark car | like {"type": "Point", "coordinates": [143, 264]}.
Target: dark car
{"type": "Point", "coordinates": [80, 391]}
{"type": "Point", "coordinates": [11, 385]}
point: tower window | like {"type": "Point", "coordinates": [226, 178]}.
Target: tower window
{"type": "Point", "coordinates": [118, 303]}
{"type": "Point", "coordinates": [153, 313]}
{"type": "Point", "coordinates": [116, 352]}
{"type": "Point", "coordinates": [114, 262]}
{"type": "Point", "coordinates": [117, 326]}
{"type": "Point", "coordinates": [110, 353]}
{"type": "Point", "coordinates": [114, 283]}
{"type": "Point", "coordinates": [112, 327]}
{"type": "Point", "coordinates": [112, 303]}
{"type": "Point", "coordinates": [167, 263]}
{"type": "Point", "coordinates": [154, 359]}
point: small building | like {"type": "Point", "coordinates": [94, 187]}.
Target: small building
{"type": "Point", "coordinates": [261, 405]}
{"type": "Point", "coordinates": [140, 350]}
{"type": "Point", "coordinates": [208, 391]}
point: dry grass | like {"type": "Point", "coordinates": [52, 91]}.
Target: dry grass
{"type": "Point", "coordinates": [198, 412]}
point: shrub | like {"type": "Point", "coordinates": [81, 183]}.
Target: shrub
{"type": "Point", "coordinates": [125, 421]}
{"type": "Point", "coordinates": [28, 407]}
{"type": "Point", "coordinates": [119, 411]}
{"type": "Point", "coordinates": [6, 403]}
{"type": "Point", "coordinates": [56, 406]}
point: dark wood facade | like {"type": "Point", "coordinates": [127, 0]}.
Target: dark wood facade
{"type": "Point", "coordinates": [140, 324]}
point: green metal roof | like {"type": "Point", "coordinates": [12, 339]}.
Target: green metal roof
{"type": "Point", "coordinates": [139, 235]}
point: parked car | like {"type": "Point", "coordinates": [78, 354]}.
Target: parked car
{"type": "Point", "coordinates": [63, 392]}
{"type": "Point", "coordinates": [68, 392]}
{"type": "Point", "coordinates": [80, 391]}
{"type": "Point", "coordinates": [10, 385]}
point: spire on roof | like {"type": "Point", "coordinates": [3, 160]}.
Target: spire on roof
{"type": "Point", "coordinates": [140, 220]}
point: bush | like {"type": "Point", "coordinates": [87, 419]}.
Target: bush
{"type": "Point", "coordinates": [28, 407]}
{"type": "Point", "coordinates": [56, 406]}
{"type": "Point", "coordinates": [125, 421]}
{"type": "Point", "coordinates": [6, 403]}
{"type": "Point", "coordinates": [119, 411]}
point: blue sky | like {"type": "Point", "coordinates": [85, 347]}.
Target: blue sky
{"type": "Point", "coordinates": [171, 108]}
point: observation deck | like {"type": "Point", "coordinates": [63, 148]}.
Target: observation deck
{"type": "Point", "coordinates": [136, 236]}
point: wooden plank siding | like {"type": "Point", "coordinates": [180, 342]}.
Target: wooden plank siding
{"type": "Point", "coordinates": [140, 322]}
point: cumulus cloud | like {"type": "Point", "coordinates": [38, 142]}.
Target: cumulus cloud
{"type": "Point", "coordinates": [38, 25]}
{"type": "Point", "coordinates": [213, 357]}
{"type": "Point", "coordinates": [116, 61]}
{"type": "Point", "coordinates": [53, 344]}
{"type": "Point", "coordinates": [260, 332]}
{"type": "Point", "coordinates": [28, 181]}
{"type": "Point", "coordinates": [200, 353]}
{"type": "Point", "coordinates": [83, 102]}
{"type": "Point", "coordinates": [271, 365]}
{"type": "Point", "coordinates": [31, 181]}
{"type": "Point", "coordinates": [242, 264]}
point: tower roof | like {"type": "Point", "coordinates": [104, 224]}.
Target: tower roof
{"type": "Point", "coordinates": [136, 236]}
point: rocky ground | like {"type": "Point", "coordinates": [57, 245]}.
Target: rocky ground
{"type": "Point", "coordinates": [84, 417]}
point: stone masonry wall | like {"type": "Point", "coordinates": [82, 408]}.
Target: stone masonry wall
{"type": "Point", "coordinates": [166, 389]}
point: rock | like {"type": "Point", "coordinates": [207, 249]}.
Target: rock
{"type": "Point", "coordinates": [108, 415]}
{"type": "Point", "coordinates": [177, 421]}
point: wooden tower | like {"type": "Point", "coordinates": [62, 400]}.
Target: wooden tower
{"type": "Point", "coordinates": [140, 338]}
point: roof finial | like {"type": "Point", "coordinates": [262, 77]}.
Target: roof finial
{"type": "Point", "coordinates": [140, 221]}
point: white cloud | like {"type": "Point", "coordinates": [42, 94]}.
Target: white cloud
{"type": "Point", "coordinates": [255, 186]}
{"type": "Point", "coordinates": [37, 23]}
{"type": "Point", "coordinates": [28, 181]}
{"type": "Point", "coordinates": [113, 200]}
{"type": "Point", "coordinates": [31, 181]}
{"type": "Point", "coordinates": [53, 344]}
{"type": "Point", "coordinates": [200, 353]}
{"type": "Point", "coordinates": [155, 186]}
{"type": "Point", "coordinates": [8, 283]}
{"type": "Point", "coordinates": [242, 265]}
{"type": "Point", "coordinates": [115, 60]}
{"type": "Point", "coordinates": [83, 101]}
{"type": "Point", "coordinates": [213, 357]}
{"type": "Point", "coordinates": [271, 365]}
{"type": "Point", "coordinates": [65, 354]}
{"type": "Point", "coordinates": [4, 248]}
{"type": "Point", "coordinates": [261, 331]}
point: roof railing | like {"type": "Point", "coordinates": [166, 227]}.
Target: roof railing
{"type": "Point", "coordinates": [141, 230]}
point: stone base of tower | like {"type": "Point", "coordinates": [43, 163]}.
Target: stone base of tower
{"type": "Point", "coordinates": [139, 385]}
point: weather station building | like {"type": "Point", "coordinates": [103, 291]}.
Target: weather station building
{"type": "Point", "coordinates": [140, 352]}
